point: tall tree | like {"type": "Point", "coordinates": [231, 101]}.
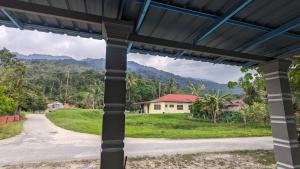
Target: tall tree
{"type": "Point", "coordinates": [131, 83]}
{"type": "Point", "coordinates": [13, 72]}
{"type": "Point", "coordinates": [171, 86]}
{"type": "Point", "coordinates": [197, 90]}
{"type": "Point", "coordinates": [7, 105]}
{"type": "Point", "coordinates": [253, 85]}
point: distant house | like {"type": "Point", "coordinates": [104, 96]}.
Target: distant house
{"type": "Point", "coordinates": [170, 103]}
{"type": "Point", "coordinates": [233, 105]}
{"type": "Point", "coordinates": [55, 105]}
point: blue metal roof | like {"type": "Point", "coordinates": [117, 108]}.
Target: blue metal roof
{"type": "Point", "coordinates": [267, 28]}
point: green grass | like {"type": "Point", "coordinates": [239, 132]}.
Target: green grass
{"type": "Point", "coordinates": [154, 126]}
{"type": "Point", "coordinates": [10, 129]}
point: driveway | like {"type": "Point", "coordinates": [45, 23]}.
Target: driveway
{"type": "Point", "coordinates": [43, 141]}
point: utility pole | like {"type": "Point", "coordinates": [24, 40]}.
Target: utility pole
{"type": "Point", "coordinates": [60, 92]}
{"type": "Point", "coordinates": [51, 89]}
{"type": "Point", "coordinates": [67, 88]}
{"type": "Point", "coordinates": [159, 89]}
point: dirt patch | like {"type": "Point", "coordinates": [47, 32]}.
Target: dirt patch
{"type": "Point", "coordinates": [193, 161]}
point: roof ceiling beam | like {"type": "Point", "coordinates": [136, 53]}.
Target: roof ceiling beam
{"type": "Point", "coordinates": [54, 29]}
{"type": "Point", "coordinates": [206, 15]}
{"type": "Point", "coordinates": [195, 48]}
{"type": "Point", "coordinates": [267, 36]}
{"type": "Point", "coordinates": [43, 10]}
{"type": "Point", "coordinates": [12, 18]}
{"type": "Point", "coordinates": [216, 17]}
{"type": "Point", "coordinates": [222, 20]}
{"type": "Point", "coordinates": [140, 20]}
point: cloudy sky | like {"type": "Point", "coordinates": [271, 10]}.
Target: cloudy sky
{"type": "Point", "coordinates": [30, 42]}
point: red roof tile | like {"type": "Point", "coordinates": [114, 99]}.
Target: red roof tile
{"type": "Point", "coordinates": [176, 98]}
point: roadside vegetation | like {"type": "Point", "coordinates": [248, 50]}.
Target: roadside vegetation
{"type": "Point", "coordinates": [155, 126]}
{"type": "Point", "coordinates": [16, 93]}
{"type": "Point", "coordinates": [10, 129]}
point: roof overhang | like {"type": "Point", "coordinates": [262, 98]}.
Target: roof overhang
{"type": "Point", "coordinates": [142, 41]}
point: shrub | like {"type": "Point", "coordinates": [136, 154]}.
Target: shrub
{"type": "Point", "coordinates": [198, 111]}
{"type": "Point", "coordinates": [256, 113]}
{"type": "Point", "coordinates": [7, 105]}
{"type": "Point", "coordinates": [230, 117]}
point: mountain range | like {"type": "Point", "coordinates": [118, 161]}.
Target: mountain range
{"type": "Point", "coordinates": [144, 71]}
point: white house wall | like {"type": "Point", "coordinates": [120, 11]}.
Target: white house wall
{"type": "Point", "coordinates": [167, 109]}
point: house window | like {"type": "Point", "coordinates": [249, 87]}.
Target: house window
{"type": "Point", "coordinates": [166, 105]}
{"type": "Point", "coordinates": [171, 105]}
{"type": "Point", "coordinates": [190, 107]}
{"type": "Point", "coordinates": [179, 107]}
{"type": "Point", "coordinates": [157, 107]}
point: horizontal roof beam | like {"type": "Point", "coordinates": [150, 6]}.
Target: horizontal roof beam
{"type": "Point", "coordinates": [59, 13]}
{"type": "Point", "coordinates": [222, 20]}
{"type": "Point", "coordinates": [54, 29]}
{"type": "Point", "coordinates": [195, 48]}
{"type": "Point", "coordinates": [206, 15]}
{"type": "Point", "coordinates": [171, 54]}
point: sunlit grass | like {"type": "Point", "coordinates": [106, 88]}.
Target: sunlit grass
{"type": "Point", "coordinates": [155, 125]}
{"type": "Point", "coordinates": [10, 129]}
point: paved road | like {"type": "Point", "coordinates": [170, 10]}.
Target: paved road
{"type": "Point", "coordinates": [43, 141]}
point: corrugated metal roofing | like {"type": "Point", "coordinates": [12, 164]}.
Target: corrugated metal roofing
{"type": "Point", "coordinates": [178, 20]}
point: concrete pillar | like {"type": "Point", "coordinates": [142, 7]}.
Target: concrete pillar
{"type": "Point", "coordinates": [113, 125]}
{"type": "Point", "coordinates": [286, 146]}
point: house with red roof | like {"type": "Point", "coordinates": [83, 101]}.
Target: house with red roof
{"type": "Point", "coordinates": [233, 105]}
{"type": "Point", "coordinates": [170, 103]}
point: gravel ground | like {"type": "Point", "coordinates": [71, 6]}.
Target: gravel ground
{"type": "Point", "coordinates": [193, 161]}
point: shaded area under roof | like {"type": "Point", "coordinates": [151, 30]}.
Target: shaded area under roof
{"type": "Point", "coordinates": [269, 28]}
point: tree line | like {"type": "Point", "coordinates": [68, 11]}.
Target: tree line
{"type": "Point", "coordinates": [30, 85]}
{"type": "Point", "coordinates": [208, 106]}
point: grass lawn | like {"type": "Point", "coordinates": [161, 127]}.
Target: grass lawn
{"type": "Point", "coordinates": [10, 129]}
{"type": "Point", "coordinates": [154, 126]}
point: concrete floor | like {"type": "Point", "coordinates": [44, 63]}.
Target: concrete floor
{"type": "Point", "coordinates": [43, 141]}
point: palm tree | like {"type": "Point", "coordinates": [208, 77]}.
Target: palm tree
{"type": "Point", "coordinates": [171, 85]}
{"type": "Point", "coordinates": [214, 102]}
{"type": "Point", "coordinates": [197, 90]}
{"type": "Point", "coordinates": [131, 82]}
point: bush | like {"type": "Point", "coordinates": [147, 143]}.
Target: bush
{"type": "Point", "coordinates": [256, 113]}
{"type": "Point", "coordinates": [230, 117]}
{"type": "Point", "coordinates": [198, 112]}
{"type": "Point", "coordinates": [7, 105]}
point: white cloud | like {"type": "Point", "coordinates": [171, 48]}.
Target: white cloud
{"type": "Point", "coordinates": [30, 42]}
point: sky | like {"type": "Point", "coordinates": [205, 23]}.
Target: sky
{"type": "Point", "coordinates": [34, 42]}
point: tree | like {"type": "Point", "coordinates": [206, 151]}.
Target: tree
{"type": "Point", "coordinates": [294, 79]}
{"type": "Point", "coordinates": [214, 102]}
{"type": "Point", "coordinates": [131, 82]}
{"type": "Point", "coordinates": [198, 109]}
{"type": "Point", "coordinates": [7, 105]}
{"type": "Point", "coordinates": [25, 96]}
{"type": "Point", "coordinates": [256, 112]}
{"type": "Point", "coordinates": [253, 85]}
{"type": "Point", "coordinates": [197, 90]}
{"type": "Point", "coordinates": [12, 75]}
{"type": "Point", "coordinates": [171, 86]}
